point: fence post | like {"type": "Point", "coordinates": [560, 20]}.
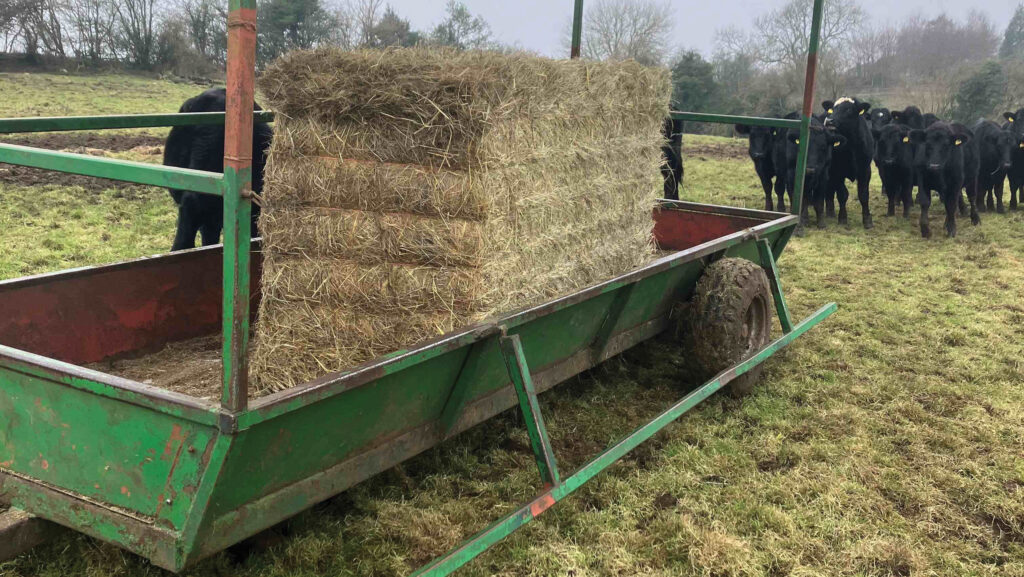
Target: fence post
{"type": "Point", "coordinates": [238, 123]}
{"type": "Point", "coordinates": [808, 108]}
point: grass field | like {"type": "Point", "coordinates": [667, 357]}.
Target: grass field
{"type": "Point", "coordinates": [889, 441]}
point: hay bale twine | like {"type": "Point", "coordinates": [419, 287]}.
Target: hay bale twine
{"type": "Point", "coordinates": [409, 192]}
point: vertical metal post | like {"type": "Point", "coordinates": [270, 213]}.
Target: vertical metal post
{"type": "Point", "coordinates": [808, 108]}
{"type": "Point", "coordinates": [519, 372]}
{"type": "Point", "coordinates": [577, 29]}
{"type": "Point", "coordinates": [772, 270]}
{"type": "Point", "coordinates": [237, 201]}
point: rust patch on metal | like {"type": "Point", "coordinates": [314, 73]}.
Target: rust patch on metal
{"type": "Point", "coordinates": [542, 504]}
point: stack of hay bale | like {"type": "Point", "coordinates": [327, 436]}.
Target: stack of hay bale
{"type": "Point", "coordinates": [411, 192]}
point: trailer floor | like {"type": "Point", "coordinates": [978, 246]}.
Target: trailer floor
{"type": "Point", "coordinates": [191, 367]}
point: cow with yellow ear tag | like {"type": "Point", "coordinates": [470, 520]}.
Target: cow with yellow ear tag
{"type": "Point", "coordinates": [950, 157]}
{"type": "Point", "coordinates": [821, 147]}
{"type": "Point", "coordinates": [849, 117]}
{"type": "Point", "coordinates": [1015, 124]}
{"type": "Point", "coordinates": [894, 157]}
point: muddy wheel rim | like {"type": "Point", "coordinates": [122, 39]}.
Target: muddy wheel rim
{"type": "Point", "coordinates": [753, 326]}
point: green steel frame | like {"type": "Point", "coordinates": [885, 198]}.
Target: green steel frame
{"type": "Point", "coordinates": [234, 418]}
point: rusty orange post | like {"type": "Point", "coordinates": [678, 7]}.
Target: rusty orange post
{"type": "Point", "coordinates": [241, 85]}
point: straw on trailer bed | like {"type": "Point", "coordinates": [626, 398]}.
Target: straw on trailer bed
{"type": "Point", "coordinates": [410, 192]}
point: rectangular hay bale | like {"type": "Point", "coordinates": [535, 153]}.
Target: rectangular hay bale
{"type": "Point", "coordinates": [410, 192]}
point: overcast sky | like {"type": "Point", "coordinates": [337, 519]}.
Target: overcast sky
{"type": "Point", "coordinates": [538, 24]}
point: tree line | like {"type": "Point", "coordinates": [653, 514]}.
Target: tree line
{"type": "Point", "coordinates": [189, 37]}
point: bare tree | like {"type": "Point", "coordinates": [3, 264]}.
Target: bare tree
{"type": "Point", "coordinates": [627, 29]}
{"type": "Point", "coordinates": [930, 47]}
{"type": "Point", "coordinates": [42, 21]}
{"type": "Point", "coordinates": [365, 14]}
{"type": "Point", "coordinates": [136, 28]}
{"type": "Point", "coordinates": [782, 34]}
{"type": "Point", "coordinates": [205, 25]}
{"type": "Point", "coordinates": [90, 29]}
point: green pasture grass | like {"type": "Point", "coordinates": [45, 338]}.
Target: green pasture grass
{"type": "Point", "coordinates": [887, 442]}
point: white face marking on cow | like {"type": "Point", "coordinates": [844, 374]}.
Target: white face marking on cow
{"type": "Point", "coordinates": [842, 100]}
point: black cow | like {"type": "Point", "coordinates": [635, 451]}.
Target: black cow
{"type": "Point", "coordinates": [949, 161]}
{"type": "Point", "coordinates": [672, 151]}
{"type": "Point", "coordinates": [767, 148]}
{"type": "Point", "coordinates": [202, 148]}
{"type": "Point", "coordinates": [822, 145]}
{"type": "Point", "coordinates": [1015, 124]}
{"type": "Point", "coordinates": [880, 118]}
{"type": "Point", "coordinates": [930, 119]}
{"type": "Point", "coordinates": [761, 147]}
{"type": "Point", "coordinates": [995, 146]}
{"type": "Point", "coordinates": [894, 157]}
{"type": "Point", "coordinates": [853, 161]}
{"type": "Point", "coordinates": [910, 116]}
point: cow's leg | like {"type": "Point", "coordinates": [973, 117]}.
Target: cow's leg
{"type": "Point", "coordinates": [780, 192]}
{"type": "Point", "coordinates": [211, 232]}
{"type": "Point", "coordinates": [908, 194]}
{"type": "Point", "coordinates": [671, 186]}
{"type": "Point", "coordinates": [188, 226]}
{"type": "Point", "coordinates": [997, 190]}
{"type": "Point", "coordinates": [843, 195]}
{"type": "Point", "coordinates": [830, 203]}
{"type": "Point", "coordinates": [1013, 196]}
{"type": "Point", "coordinates": [766, 184]}
{"type": "Point", "coordinates": [990, 200]}
{"type": "Point", "coordinates": [924, 198]}
{"type": "Point", "coordinates": [891, 193]}
{"type": "Point", "coordinates": [864, 195]}
{"type": "Point", "coordinates": [973, 191]}
{"type": "Point", "coordinates": [817, 198]}
{"type": "Point", "coordinates": [951, 200]}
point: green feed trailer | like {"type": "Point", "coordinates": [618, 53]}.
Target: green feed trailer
{"type": "Point", "coordinates": [175, 478]}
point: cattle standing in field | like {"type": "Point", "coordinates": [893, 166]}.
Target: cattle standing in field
{"type": "Point", "coordinates": [853, 161]}
{"type": "Point", "coordinates": [767, 148]}
{"type": "Point", "coordinates": [995, 146]}
{"type": "Point", "coordinates": [894, 157]}
{"type": "Point", "coordinates": [949, 163]}
{"type": "Point", "coordinates": [672, 150]}
{"type": "Point", "coordinates": [822, 146]}
{"type": "Point", "coordinates": [1015, 124]}
{"type": "Point", "coordinates": [202, 148]}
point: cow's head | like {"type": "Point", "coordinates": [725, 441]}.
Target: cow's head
{"type": "Point", "coordinates": [941, 144]}
{"type": "Point", "coordinates": [880, 118]}
{"type": "Point", "coordinates": [823, 142]}
{"type": "Point", "coordinates": [761, 138]}
{"type": "Point", "coordinates": [845, 112]}
{"type": "Point", "coordinates": [893, 144]}
{"type": "Point", "coordinates": [1015, 124]}
{"type": "Point", "coordinates": [998, 144]}
{"type": "Point", "coordinates": [910, 116]}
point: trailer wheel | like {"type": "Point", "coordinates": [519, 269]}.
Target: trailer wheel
{"type": "Point", "coordinates": [729, 320]}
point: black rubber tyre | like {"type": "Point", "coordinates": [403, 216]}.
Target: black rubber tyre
{"type": "Point", "coordinates": [729, 319]}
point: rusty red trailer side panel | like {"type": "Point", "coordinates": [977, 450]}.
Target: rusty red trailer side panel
{"type": "Point", "coordinates": [93, 314]}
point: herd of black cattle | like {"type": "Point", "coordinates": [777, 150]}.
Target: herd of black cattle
{"type": "Point", "coordinates": [909, 148]}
